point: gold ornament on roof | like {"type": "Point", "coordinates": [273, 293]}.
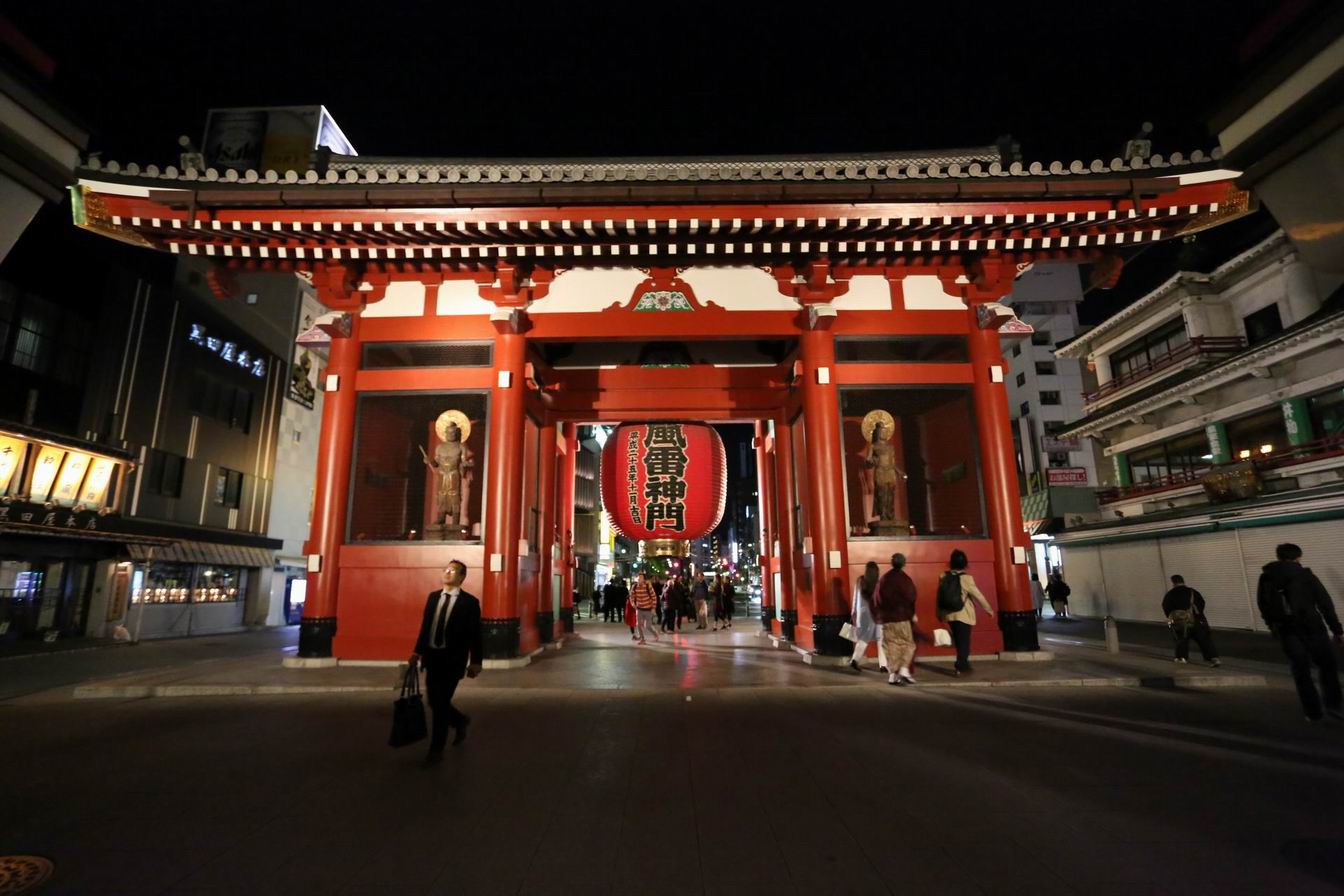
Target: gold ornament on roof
{"type": "Point", "coordinates": [463, 425]}
{"type": "Point", "coordinates": [875, 418]}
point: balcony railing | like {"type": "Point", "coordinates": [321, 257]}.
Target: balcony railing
{"type": "Point", "coordinates": [1196, 347]}
{"type": "Point", "coordinates": [1330, 446]}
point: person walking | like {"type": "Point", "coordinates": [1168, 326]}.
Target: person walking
{"type": "Point", "coordinates": [609, 601]}
{"type": "Point", "coordinates": [1298, 610]}
{"type": "Point", "coordinates": [448, 644]}
{"type": "Point", "coordinates": [895, 611]}
{"type": "Point", "coordinates": [1037, 595]}
{"type": "Point", "coordinates": [597, 602]}
{"type": "Point", "coordinates": [728, 597]}
{"type": "Point", "coordinates": [687, 605]}
{"type": "Point", "coordinates": [1184, 608]}
{"type": "Point", "coordinates": [700, 596]}
{"type": "Point", "coordinates": [645, 601]}
{"type": "Point", "coordinates": [1058, 592]}
{"type": "Point", "coordinates": [957, 597]}
{"type": "Point", "coordinates": [863, 615]}
{"type": "Point", "coordinates": [674, 595]}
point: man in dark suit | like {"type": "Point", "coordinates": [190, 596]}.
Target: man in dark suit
{"type": "Point", "coordinates": [450, 631]}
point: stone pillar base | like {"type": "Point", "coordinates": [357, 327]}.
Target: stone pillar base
{"type": "Point", "coordinates": [788, 621]}
{"type": "Point", "coordinates": [546, 627]}
{"type": "Point", "coordinates": [567, 620]}
{"type": "Point", "coordinates": [309, 662]}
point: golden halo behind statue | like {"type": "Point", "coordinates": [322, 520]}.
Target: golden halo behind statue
{"type": "Point", "coordinates": [872, 419]}
{"type": "Point", "coordinates": [463, 425]}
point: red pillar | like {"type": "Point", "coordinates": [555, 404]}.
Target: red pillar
{"type": "Point", "coordinates": [564, 526]}
{"type": "Point", "coordinates": [1017, 616]}
{"type": "Point", "coordinates": [503, 496]}
{"type": "Point", "coordinates": [826, 515]}
{"type": "Point", "coordinates": [765, 485]}
{"type": "Point", "coordinates": [786, 530]}
{"type": "Point", "coordinates": [546, 501]}
{"type": "Point", "coordinates": [330, 495]}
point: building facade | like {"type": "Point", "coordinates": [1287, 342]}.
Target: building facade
{"type": "Point", "coordinates": [519, 301]}
{"type": "Point", "coordinates": [1220, 402]}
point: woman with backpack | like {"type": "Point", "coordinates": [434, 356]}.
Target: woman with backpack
{"type": "Point", "coordinates": [957, 597]}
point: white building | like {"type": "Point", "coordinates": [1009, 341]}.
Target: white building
{"type": "Point", "coordinates": [1220, 403]}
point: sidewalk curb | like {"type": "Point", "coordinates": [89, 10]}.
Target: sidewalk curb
{"type": "Point", "coordinates": [124, 692]}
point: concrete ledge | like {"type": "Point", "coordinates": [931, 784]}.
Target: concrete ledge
{"type": "Point", "coordinates": [816, 659]}
{"type": "Point", "coordinates": [1026, 656]}
{"type": "Point", "coordinates": [124, 692]}
{"type": "Point", "coordinates": [309, 662]}
{"type": "Point", "coordinates": [779, 642]}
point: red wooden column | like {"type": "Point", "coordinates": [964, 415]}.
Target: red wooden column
{"type": "Point", "coordinates": [546, 500]}
{"type": "Point", "coordinates": [503, 497]}
{"type": "Point", "coordinates": [786, 530]}
{"type": "Point", "coordinates": [826, 513]}
{"type": "Point", "coordinates": [765, 485]}
{"type": "Point", "coordinates": [330, 495]}
{"type": "Point", "coordinates": [1017, 615]}
{"type": "Point", "coordinates": [564, 526]}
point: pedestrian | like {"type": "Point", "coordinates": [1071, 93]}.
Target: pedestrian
{"type": "Point", "coordinates": [716, 594]}
{"type": "Point", "coordinates": [658, 585]}
{"type": "Point", "coordinates": [1184, 608]}
{"type": "Point", "coordinates": [895, 612]}
{"type": "Point", "coordinates": [673, 598]}
{"type": "Point", "coordinates": [687, 604]}
{"type": "Point", "coordinates": [645, 602]}
{"type": "Point", "coordinates": [728, 597]}
{"type": "Point", "coordinates": [700, 596]}
{"type": "Point", "coordinates": [609, 600]}
{"type": "Point", "coordinates": [1298, 610]}
{"type": "Point", "coordinates": [597, 601]}
{"type": "Point", "coordinates": [955, 586]}
{"type": "Point", "coordinates": [862, 615]}
{"type": "Point", "coordinates": [448, 644]}
{"type": "Point", "coordinates": [1058, 592]}
{"type": "Point", "coordinates": [1037, 594]}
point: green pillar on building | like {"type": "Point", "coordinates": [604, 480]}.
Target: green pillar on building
{"type": "Point", "coordinates": [1122, 477]}
{"type": "Point", "coordinates": [1218, 447]}
{"type": "Point", "coordinates": [1297, 421]}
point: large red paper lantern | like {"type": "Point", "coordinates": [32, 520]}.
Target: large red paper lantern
{"type": "Point", "coordinates": [664, 483]}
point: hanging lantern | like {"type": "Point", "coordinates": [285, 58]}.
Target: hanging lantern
{"type": "Point", "coordinates": [664, 484]}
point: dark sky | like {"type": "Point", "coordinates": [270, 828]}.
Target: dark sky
{"type": "Point", "coordinates": [1067, 80]}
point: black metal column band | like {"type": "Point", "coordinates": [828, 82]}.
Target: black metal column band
{"type": "Point", "coordinates": [499, 638]}
{"type": "Point", "coordinates": [788, 621]}
{"type": "Point", "coordinates": [826, 639]}
{"type": "Point", "coordinates": [1019, 630]}
{"type": "Point", "coordinates": [567, 620]}
{"type": "Point", "coordinates": [767, 613]}
{"type": "Point", "coordinates": [546, 626]}
{"type": "Point", "coordinates": [315, 636]}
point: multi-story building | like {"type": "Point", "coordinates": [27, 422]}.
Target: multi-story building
{"type": "Point", "coordinates": [1057, 474]}
{"type": "Point", "coordinates": [1220, 402]}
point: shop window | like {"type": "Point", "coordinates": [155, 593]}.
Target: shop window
{"type": "Point", "coordinates": [1021, 379]}
{"type": "Point", "coordinates": [1327, 413]}
{"type": "Point", "coordinates": [902, 350]}
{"type": "Point", "coordinates": [382, 355]}
{"type": "Point", "coordinates": [1258, 434]}
{"type": "Point", "coordinates": [164, 583]}
{"type": "Point", "coordinates": [1185, 454]}
{"type": "Point", "coordinates": [1263, 324]}
{"type": "Point", "coordinates": [228, 487]}
{"type": "Point", "coordinates": [1148, 350]}
{"type": "Point", "coordinates": [1050, 398]}
{"type": "Point", "coordinates": [396, 494]}
{"type": "Point", "coordinates": [217, 584]}
{"type": "Point", "coordinates": [934, 467]}
{"type": "Point", "coordinates": [1041, 337]}
{"type": "Point", "coordinates": [1045, 368]}
{"type": "Point", "coordinates": [163, 473]}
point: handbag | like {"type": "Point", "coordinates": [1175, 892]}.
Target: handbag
{"type": "Point", "coordinates": [847, 632]}
{"type": "Point", "coordinates": [408, 713]}
{"type": "Point", "coordinates": [942, 638]}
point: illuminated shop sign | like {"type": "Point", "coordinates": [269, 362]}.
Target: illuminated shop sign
{"type": "Point", "coordinates": [227, 350]}
{"type": "Point", "coordinates": [72, 476]}
{"type": "Point", "coordinates": [95, 486]}
{"type": "Point", "coordinates": [11, 457]}
{"type": "Point", "coordinates": [44, 472]}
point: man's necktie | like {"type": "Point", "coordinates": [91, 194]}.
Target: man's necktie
{"type": "Point", "coordinates": [442, 624]}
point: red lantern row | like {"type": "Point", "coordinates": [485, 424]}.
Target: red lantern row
{"type": "Point", "coordinates": [664, 480]}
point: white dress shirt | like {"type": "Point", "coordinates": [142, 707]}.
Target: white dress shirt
{"type": "Point", "coordinates": [449, 595]}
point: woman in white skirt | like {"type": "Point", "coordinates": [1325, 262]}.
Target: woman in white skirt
{"type": "Point", "coordinates": [861, 617]}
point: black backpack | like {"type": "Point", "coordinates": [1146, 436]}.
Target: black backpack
{"type": "Point", "coordinates": [950, 597]}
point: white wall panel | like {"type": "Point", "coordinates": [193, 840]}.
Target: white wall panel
{"type": "Point", "coordinates": [1134, 580]}
{"type": "Point", "coordinates": [1320, 543]}
{"type": "Point", "coordinates": [1211, 564]}
{"type": "Point", "coordinates": [1082, 571]}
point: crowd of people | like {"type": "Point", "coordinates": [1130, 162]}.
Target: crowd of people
{"type": "Point", "coordinates": [667, 604]}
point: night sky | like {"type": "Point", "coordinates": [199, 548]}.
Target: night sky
{"type": "Point", "coordinates": [1068, 80]}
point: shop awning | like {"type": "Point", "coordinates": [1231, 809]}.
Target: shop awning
{"type": "Point", "coordinates": [205, 552]}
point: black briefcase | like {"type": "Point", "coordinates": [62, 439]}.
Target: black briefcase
{"type": "Point", "coordinates": [408, 713]}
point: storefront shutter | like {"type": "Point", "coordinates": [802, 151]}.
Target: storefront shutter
{"type": "Point", "coordinates": [1211, 564]}
{"type": "Point", "coordinates": [1320, 551]}
{"type": "Point", "coordinates": [1082, 571]}
{"type": "Point", "coordinates": [1134, 579]}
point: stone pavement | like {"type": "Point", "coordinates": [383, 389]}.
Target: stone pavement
{"type": "Point", "coordinates": [602, 657]}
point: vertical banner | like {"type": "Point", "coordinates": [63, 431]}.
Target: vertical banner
{"type": "Point", "coordinates": [44, 473]}
{"type": "Point", "coordinates": [11, 458]}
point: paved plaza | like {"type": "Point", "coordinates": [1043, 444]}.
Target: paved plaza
{"type": "Point", "coordinates": [714, 765]}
